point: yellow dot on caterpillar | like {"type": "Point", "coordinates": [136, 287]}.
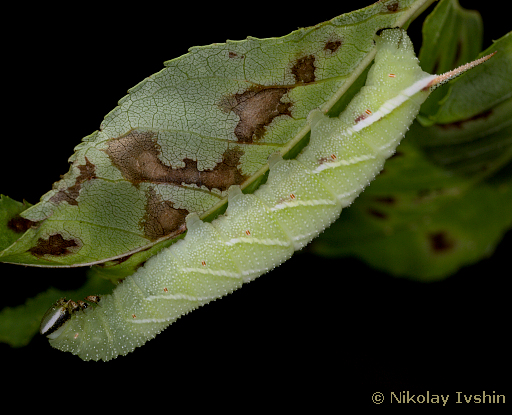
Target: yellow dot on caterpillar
{"type": "Point", "coordinates": [368, 112]}
{"type": "Point", "coordinates": [75, 336]}
{"type": "Point", "coordinates": [248, 232]}
{"type": "Point", "coordinates": [392, 75]}
{"type": "Point", "coordinates": [203, 263]}
{"type": "Point", "coordinates": [133, 316]}
{"type": "Point", "coordinates": [165, 290]}
{"type": "Point", "coordinates": [292, 196]}
{"type": "Point", "coordinates": [333, 156]}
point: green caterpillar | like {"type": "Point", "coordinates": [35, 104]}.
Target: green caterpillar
{"type": "Point", "coordinates": [260, 231]}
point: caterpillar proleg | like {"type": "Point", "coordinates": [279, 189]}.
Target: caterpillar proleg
{"type": "Point", "coordinates": [260, 231]}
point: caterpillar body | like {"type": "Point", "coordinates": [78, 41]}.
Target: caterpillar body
{"type": "Point", "coordinates": [259, 231]}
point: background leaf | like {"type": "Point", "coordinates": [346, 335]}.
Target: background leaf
{"type": "Point", "coordinates": [438, 205]}
{"type": "Point", "coordinates": [455, 36]}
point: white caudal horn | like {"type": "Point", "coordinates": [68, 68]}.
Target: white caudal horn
{"type": "Point", "coordinates": [445, 77]}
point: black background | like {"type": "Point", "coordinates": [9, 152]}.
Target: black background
{"type": "Point", "coordinates": [312, 332]}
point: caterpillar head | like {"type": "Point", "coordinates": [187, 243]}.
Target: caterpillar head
{"type": "Point", "coordinates": [58, 314]}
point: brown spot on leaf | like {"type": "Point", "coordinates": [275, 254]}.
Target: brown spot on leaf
{"type": "Point", "coordinates": [332, 45]}
{"type": "Point", "coordinates": [462, 123]}
{"type": "Point", "coordinates": [393, 6]}
{"type": "Point", "coordinates": [304, 70]}
{"type": "Point", "coordinates": [441, 242]}
{"type": "Point", "coordinates": [136, 156]}
{"type": "Point", "coordinates": [87, 172]}
{"type": "Point", "coordinates": [377, 213]}
{"type": "Point", "coordinates": [234, 55]}
{"type": "Point", "coordinates": [256, 108]}
{"type": "Point", "coordinates": [114, 262]}
{"type": "Point", "coordinates": [387, 200]}
{"type": "Point", "coordinates": [55, 245]}
{"type": "Point", "coordinates": [161, 218]}
{"type": "Point", "coordinates": [19, 225]}
{"type": "Point", "coordinates": [226, 173]}
{"type": "Point", "coordinates": [435, 68]}
{"type": "Point", "coordinates": [259, 105]}
{"type": "Point", "coordinates": [458, 51]}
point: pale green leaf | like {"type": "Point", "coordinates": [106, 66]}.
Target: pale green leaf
{"type": "Point", "coordinates": [182, 136]}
